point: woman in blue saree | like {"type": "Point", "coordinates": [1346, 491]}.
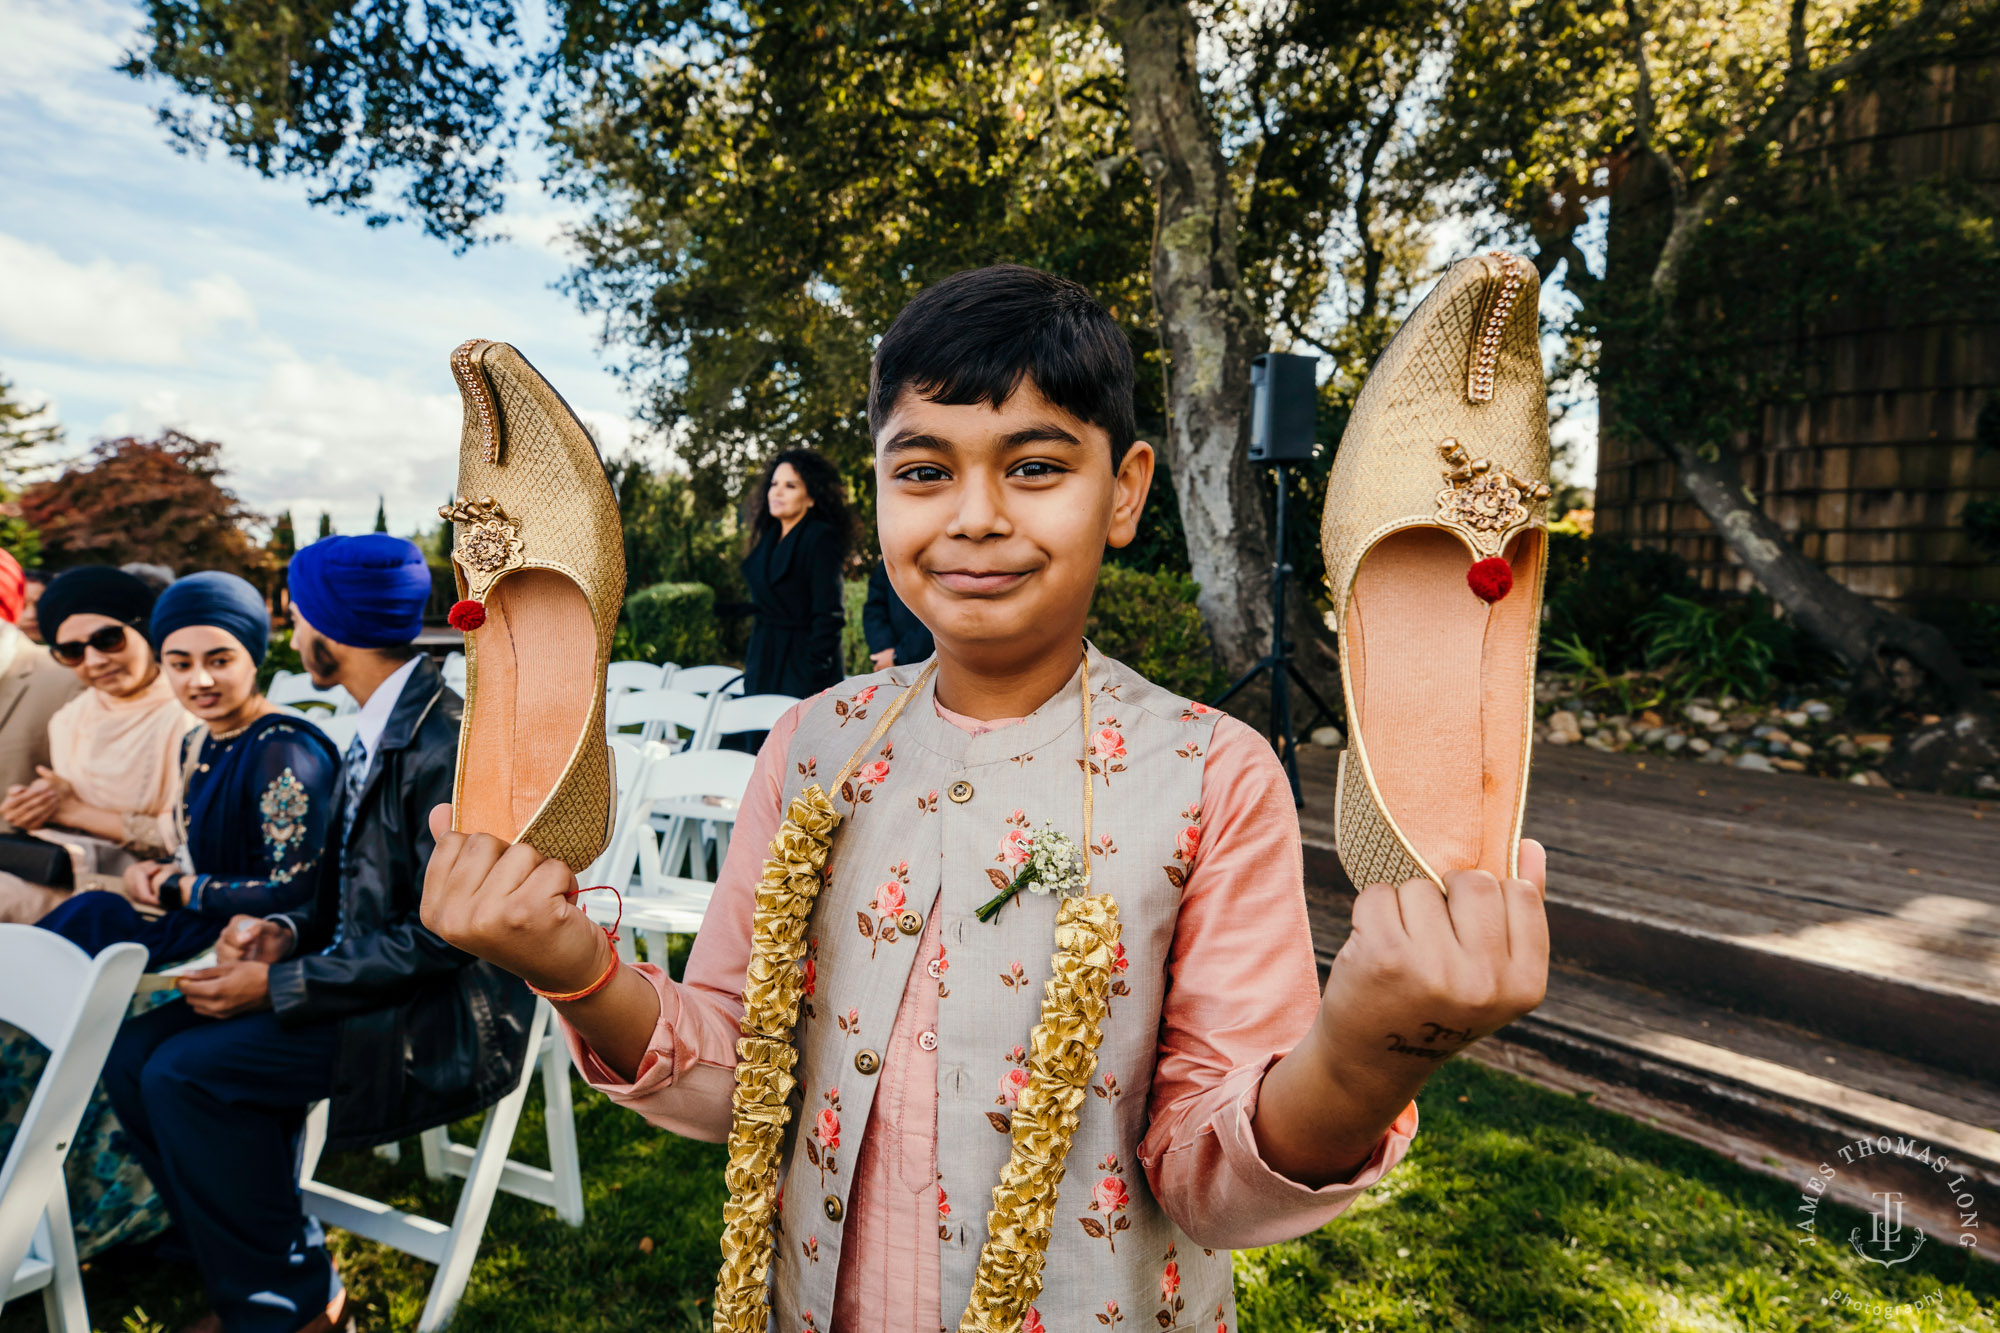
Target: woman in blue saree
{"type": "Point", "coordinates": [257, 811]}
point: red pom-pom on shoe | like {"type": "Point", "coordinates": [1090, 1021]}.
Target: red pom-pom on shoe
{"type": "Point", "coordinates": [466, 616]}
{"type": "Point", "coordinates": [1490, 579]}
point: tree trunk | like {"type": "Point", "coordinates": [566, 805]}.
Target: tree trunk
{"type": "Point", "coordinates": [1209, 326]}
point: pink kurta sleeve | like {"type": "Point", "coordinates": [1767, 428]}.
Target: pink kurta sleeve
{"type": "Point", "coordinates": [686, 1079]}
{"type": "Point", "coordinates": [1242, 991]}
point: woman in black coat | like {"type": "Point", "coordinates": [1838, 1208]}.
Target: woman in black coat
{"type": "Point", "coordinates": [798, 542]}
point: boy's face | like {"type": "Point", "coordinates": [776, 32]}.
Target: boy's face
{"type": "Point", "coordinates": [993, 521]}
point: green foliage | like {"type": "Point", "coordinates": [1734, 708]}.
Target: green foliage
{"type": "Point", "coordinates": [853, 638]}
{"type": "Point", "coordinates": [19, 539]}
{"type": "Point", "coordinates": [24, 428]}
{"type": "Point", "coordinates": [325, 524]}
{"type": "Point", "coordinates": [1714, 650]}
{"type": "Point", "coordinates": [1149, 622]}
{"type": "Point", "coordinates": [669, 622]}
{"type": "Point", "coordinates": [1597, 590]}
{"type": "Point", "coordinates": [671, 536]}
{"type": "Point", "coordinates": [1982, 524]}
{"type": "Point", "coordinates": [1623, 692]}
{"type": "Point", "coordinates": [280, 657]}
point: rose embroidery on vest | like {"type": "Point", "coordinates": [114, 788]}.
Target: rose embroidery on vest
{"type": "Point", "coordinates": [1107, 1087]}
{"type": "Point", "coordinates": [1106, 748]}
{"type": "Point", "coordinates": [856, 708]}
{"type": "Point", "coordinates": [891, 897]}
{"type": "Point", "coordinates": [1186, 844]}
{"type": "Point", "coordinates": [1032, 1321]}
{"type": "Point", "coordinates": [850, 1022]}
{"type": "Point", "coordinates": [1111, 1315]}
{"type": "Point", "coordinates": [1195, 712]}
{"type": "Point", "coordinates": [1171, 1300]}
{"type": "Point", "coordinates": [1015, 977]}
{"type": "Point", "coordinates": [825, 1137]}
{"type": "Point", "coordinates": [860, 789]}
{"type": "Point", "coordinates": [1108, 1199]}
{"type": "Point", "coordinates": [944, 1212]}
{"type": "Point", "coordinates": [810, 1247]}
{"type": "Point", "coordinates": [927, 804]}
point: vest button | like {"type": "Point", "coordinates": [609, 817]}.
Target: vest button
{"type": "Point", "coordinates": [910, 923]}
{"type": "Point", "coordinates": [867, 1061]}
{"type": "Point", "coordinates": [960, 792]}
{"type": "Point", "coordinates": [833, 1208]}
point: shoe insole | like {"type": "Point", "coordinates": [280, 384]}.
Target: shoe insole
{"type": "Point", "coordinates": [1441, 693]}
{"type": "Point", "coordinates": [536, 659]}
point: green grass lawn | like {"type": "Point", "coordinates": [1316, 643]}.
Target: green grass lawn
{"type": "Point", "coordinates": [1518, 1208]}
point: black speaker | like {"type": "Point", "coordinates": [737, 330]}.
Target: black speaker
{"type": "Point", "coordinates": [1284, 408]}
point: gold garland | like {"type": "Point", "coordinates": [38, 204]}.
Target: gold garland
{"type": "Point", "coordinates": [1064, 1055]}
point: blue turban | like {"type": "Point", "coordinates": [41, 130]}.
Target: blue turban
{"type": "Point", "coordinates": [366, 592]}
{"type": "Point", "coordinates": [214, 598]}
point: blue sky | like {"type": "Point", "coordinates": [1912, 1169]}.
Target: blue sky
{"type": "Point", "coordinates": [141, 288]}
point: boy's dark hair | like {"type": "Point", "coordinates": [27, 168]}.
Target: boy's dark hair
{"type": "Point", "coordinates": [972, 337]}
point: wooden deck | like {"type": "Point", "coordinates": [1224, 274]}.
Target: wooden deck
{"type": "Point", "coordinates": [1868, 914]}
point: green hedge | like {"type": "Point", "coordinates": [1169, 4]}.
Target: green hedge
{"type": "Point", "coordinates": [669, 622]}
{"type": "Point", "coordinates": [853, 641]}
{"type": "Point", "coordinates": [1150, 623]}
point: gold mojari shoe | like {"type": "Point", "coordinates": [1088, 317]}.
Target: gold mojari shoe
{"type": "Point", "coordinates": [1436, 544]}
{"type": "Point", "coordinates": [541, 573]}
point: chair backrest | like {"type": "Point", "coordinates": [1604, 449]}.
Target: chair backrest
{"type": "Point", "coordinates": [634, 676]}
{"type": "Point", "coordinates": [753, 712]}
{"type": "Point", "coordinates": [656, 710]}
{"type": "Point", "coordinates": [72, 1004]}
{"type": "Point", "coordinates": [694, 774]}
{"type": "Point", "coordinates": [339, 728]}
{"type": "Point", "coordinates": [295, 688]}
{"type": "Point", "coordinates": [709, 679]}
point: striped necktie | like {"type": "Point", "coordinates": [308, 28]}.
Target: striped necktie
{"type": "Point", "coordinates": [353, 777]}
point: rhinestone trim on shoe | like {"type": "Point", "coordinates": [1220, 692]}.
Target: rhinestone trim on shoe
{"type": "Point", "coordinates": [1486, 344]}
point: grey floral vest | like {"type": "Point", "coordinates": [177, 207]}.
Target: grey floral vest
{"type": "Point", "coordinates": [927, 818]}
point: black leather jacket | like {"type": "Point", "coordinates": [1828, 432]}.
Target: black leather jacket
{"type": "Point", "coordinates": [428, 1034]}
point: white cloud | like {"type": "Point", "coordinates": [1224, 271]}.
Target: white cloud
{"type": "Point", "coordinates": [111, 312]}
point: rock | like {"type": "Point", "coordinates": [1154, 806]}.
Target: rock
{"type": "Point", "coordinates": [1779, 744]}
{"type": "Point", "coordinates": [1788, 765]}
{"type": "Point", "coordinates": [1800, 750]}
{"type": "Point", "coordinates": [1986, 782]}
{"type": "Point", "coordinates": [1674, 742]}
{"type": "Point", "coordinates": [1945, 754]}
{"type": "Point", "coordinates": [1761, 731]}
{"type": "Point", "coordinates": [1875, 742]}
{"type": "Point", "coordinates": [1797, 720]}
{"type": "Point", "coordinates": [1846, 749]}
{"type": "Point", "coordinates": [1700, 716]}
{"type": "Point", "coordinates": [1699, 744]}
{"type": "Point", "coordinates": [1596, 741]}
{"type": "Point", "coordinates": [1652, 736]}
{"type": "Point", "coordinates": [1717, 727]}
{"type": "Point", "coordinates": [1327, 738]}
{"type": "Point", "coordinates": [1859, 779]}
{"type": "Point", "coordinates": [1563, 728]}
{"type": "Point", "coordinates": [1715, 757]}
{"type": "Point", "coordinates": [1727, 702]}
{"type": "Point", "coordinates": [1621, 737]}
{"type": "Point", "coordinates": [1868, 777]}
{"type": "Point", "coordinates": [1649, 718]}
{"type": "Point", "coordinates": [1817, 711]}
{"type": "Point", "coordinates": [1753, 761]}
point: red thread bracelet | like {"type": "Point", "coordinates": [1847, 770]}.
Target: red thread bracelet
{"type": "Point", "coordinates": [610, 933]}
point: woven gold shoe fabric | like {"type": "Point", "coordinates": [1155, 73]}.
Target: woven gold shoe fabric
{"type": "Point", "coordinates": [1434, 536]}
{"type": "Point", "coordinates": [537, 543]}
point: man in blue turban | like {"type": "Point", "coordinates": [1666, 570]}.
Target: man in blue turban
{"type": "Point", "coordinates": [366, 1007]}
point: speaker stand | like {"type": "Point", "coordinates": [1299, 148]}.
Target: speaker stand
{"type": "Point", "coordinates": [1284, 672]}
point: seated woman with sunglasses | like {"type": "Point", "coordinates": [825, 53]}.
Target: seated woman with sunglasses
{"type": "Point", "coordinates": [114, 774]}
{"type": "Point", "coordinates": [254, 825]}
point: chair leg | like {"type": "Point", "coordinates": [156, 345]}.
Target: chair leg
{"type": "Point", "coordinates": [565, 1164]}
{"type": "Point", "coordinates": [475, 1201]}
{"type": "Point", "coordinates": [432, 1142]}
{"type": "Point", "coordinates": [62, 1300]}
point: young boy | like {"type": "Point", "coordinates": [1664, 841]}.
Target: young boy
{"type": "Point", "coordinates": [1230, 1105]}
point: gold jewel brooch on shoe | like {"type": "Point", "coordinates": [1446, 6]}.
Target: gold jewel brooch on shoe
{"type": "Point", "coordinates": [1487, 505]}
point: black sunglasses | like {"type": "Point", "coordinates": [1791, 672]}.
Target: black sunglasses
{"type": "Point", "coordinates": [107, 640]}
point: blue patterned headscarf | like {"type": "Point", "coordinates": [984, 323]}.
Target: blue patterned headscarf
{"type": "Point", "coordinates": [212, 597]}
{"type": "Point", "coordinates": [366, 592]}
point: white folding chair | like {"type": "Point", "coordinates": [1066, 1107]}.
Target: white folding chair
{"type": "Point", "coordinates": [487, 1169]}
{"type": "Point", "coordinates": [752, 712]}
{"type": "Point", "coordinates": [72, 1004]}
{"type": "Point", "coordinates": [709, 680]}
{"type": "Point", "coordinates": [452, 669]}
{"type": "Point", "coordinates": [696, 794]}
{"type": "Point", "coordinates": [633, 676]}
{"type": "Point", "coordinates": [662, 714]}
{"type": "Point", "coordinates": [629, 758]}
{"type": "Point", "coordinates": [296, 690]}
{"type": "Point", "coordinates": [339, 728]}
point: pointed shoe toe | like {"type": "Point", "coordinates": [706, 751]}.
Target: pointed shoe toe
{"type": "Point", "coordinates": [540, 563]}
{"type": "Point", "coordinates": [1435, 536]}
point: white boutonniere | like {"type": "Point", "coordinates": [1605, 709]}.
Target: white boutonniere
{"type": "Point", "coordinates": [1055, 865]}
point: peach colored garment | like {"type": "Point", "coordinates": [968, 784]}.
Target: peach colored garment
{"type": "Point", "coordinates": [1242, 992]}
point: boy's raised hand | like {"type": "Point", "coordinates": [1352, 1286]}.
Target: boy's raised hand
{"type": "Point", "coordinates": [509, 904]}
{"type": "Point", "coordinates": [1427, 972]}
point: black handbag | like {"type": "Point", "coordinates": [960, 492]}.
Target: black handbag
{"type": "Point", "coordinates": [37, 860]}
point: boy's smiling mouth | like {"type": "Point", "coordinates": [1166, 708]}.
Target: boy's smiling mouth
{"type": "Point", "coordinates": [980, 582]}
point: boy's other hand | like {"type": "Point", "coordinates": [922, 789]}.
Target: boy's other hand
{"type": "Point", "coordinates": [1426, 973]}
{"type": "Point", "coordinates": [884, 659]}
{"type": "Point", "coordinates": [509, 904]}
{"type": "Point", "coordinates": [227, 989]}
